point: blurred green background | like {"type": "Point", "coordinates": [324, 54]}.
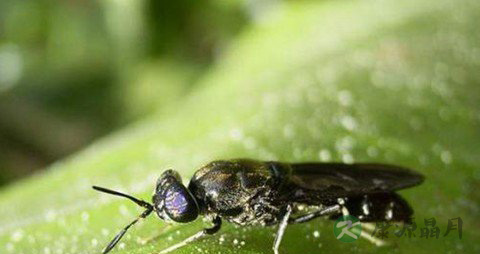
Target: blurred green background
{"type": "Point", "coordinates": [114, 92]}
{"type": "Point", "coordinates": [72, 71]}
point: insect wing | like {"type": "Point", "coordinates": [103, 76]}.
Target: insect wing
{"type": "Point", "coordinates": [338, 179]}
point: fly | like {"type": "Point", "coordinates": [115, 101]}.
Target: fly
{"type": "Point", "coordinates": [249, 192]}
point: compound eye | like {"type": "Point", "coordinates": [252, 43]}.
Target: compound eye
{"type": "Point", "coordinates": [179, 204]}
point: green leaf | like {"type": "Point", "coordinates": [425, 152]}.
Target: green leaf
{"type": "Point", "coordinates": [383, 81]}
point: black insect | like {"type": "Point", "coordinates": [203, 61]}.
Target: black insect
{"type": "Point", "coordinates": [248, 192]}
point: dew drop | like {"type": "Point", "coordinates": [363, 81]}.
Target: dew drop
{"type": "Point", "coordinates": [446, 157]}
{"type": "Point", "coordinates": [316, 234]}
{"type": "Point", "coordinates": [416, 124]}
{"type": "Point", "coordinates": [324, 155]}
{"type": "Point", "coordinates": [345, 98]}
{"type": "Point", "coordinates": [105, 232]}
{"type": "Point", "coordinates": [345, 144]}
{"type": "Point", "coordinates": [17, 236]}
{"type": "Point", "coordinates": [85, 216]}
{"type": "Point", "coordinates": [123, 210]}
{"type": "Point", "coordinates": [347, 158]}
{"type": "Point", "coordinates": [348, 122]}
{"type": "Point", "coordinates": [10, 247]}
{"type": "Point", "coordinates": [50, 215]}
{"type": "Point", "coordinates": [288, 131]}
{"type": "Point", "coordinates": [236, 134]}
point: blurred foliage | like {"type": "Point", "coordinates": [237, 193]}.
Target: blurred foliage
{"type": "Point", "coordinates": [385, 81]}
{"type": "Point", "coordinates": [71, 71]}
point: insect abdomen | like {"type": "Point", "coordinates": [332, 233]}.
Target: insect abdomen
{"type": "Point", "coordinates": [379, 207]}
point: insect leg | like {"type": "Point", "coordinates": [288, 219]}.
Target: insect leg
{"type": "Point", "coordinates": [367, 234]}
{"type": "Point", "coordinates": [310, 216]}
{"type": "Point", "coordinates": [217, 224]}
{"type": "Point", "coordinates": [119, 236]}
{"type": "Point", "coordinates": [281, 229]}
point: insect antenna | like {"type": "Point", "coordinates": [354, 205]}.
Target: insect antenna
{"type": "Point", "coordinates": [148, 206]}
{"type": "Point", "coordinates": [116, 193]}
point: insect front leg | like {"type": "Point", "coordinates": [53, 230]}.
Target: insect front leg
{"type": "Point", "coordinates": [217, 224]}
{"type": "Point", "coordinates": [281, 229]}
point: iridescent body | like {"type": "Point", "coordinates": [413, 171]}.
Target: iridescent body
{"type": "Point", "coordinates": [248, 192]}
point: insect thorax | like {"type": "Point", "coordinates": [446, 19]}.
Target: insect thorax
{"type": "Point", "coordinates": [238, 192]}
{"type": "Point", "coordinates": [258, 211]}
